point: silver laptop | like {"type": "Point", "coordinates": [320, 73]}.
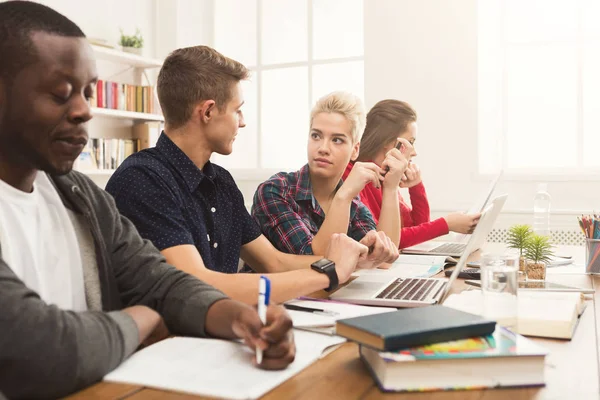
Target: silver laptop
{"type": "Point", "coordinates": [381, 290]}
{"type": "Point", "coordinates": [456, 247]}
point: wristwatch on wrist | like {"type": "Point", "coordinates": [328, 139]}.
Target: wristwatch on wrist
{"type": "Point", "coordinates": [327, 267]}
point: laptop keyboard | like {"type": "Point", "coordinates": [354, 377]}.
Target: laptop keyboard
{"type": "Point", "coordinates": [414, 289]}
{"type": "Point", "coordinates": [450, 248]}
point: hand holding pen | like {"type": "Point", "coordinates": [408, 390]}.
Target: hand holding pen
{"type": "Point", "coordinates": [273, 337]}
{"type": "Point", "coordinates": [397, 160]}
{"type": "Point", "coordinates": [264, 294]}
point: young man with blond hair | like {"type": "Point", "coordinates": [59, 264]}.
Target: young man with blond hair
{"type": "Point", "coordinates": [192, 210]}
{"type": "Point", "coordinates": [299, 211]}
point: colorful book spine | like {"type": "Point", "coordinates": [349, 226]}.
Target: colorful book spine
{"type": "Point", "coordinates": [122, 96]}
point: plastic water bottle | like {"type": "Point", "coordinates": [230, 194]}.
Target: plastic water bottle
{"type": "Point", "coordinates": [541, 210]}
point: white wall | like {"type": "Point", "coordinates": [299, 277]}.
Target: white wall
{"type": "Point", "coordinates": [425, 52]}
{"type": "Point", "coordinates": [164, 24]}
{"type": "Point", "coordinates": [102, 19]}
{"type": "Point", "coordinates": [420, 51]}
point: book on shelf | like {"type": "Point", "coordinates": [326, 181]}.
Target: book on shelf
{"type": "Point", "coordinates": [413, 327]}
{"type": "Point", "coordinates": [147, 134]}
{"type": "Point", "coordinates": [543, 314]}
{"type": "Point", "coordinates": [502, 359]}
{"type": "Point", "coordinates": [106, 154]}
{"type": "Point", "coordinates": [122, 96]}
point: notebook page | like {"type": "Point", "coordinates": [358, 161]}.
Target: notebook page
{"type": "Point", "coordinates": [334, 311]}
{"type": "Point", "coordinates": [212, 367]}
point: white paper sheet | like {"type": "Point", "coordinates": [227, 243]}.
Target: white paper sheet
{"type": "Point", "coordinates": [335, 310]}
{"type": "Point", "coordinates": [212, 367]}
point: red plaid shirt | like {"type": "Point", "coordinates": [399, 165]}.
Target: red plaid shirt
{"type": "Point", "coordinates": [289, 215]}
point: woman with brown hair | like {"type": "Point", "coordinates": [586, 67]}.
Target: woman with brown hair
{"type": "Point", "coordinates": [387, 121]}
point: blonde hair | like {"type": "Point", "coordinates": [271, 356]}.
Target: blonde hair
{"type": "Point", "coordinates": [346, 104]}
{"type": "Point", "coordinates": [385, 122]}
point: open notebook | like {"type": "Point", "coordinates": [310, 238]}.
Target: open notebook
{"type": "Point", "coordinates": [212, 367]}
{"type": "Point", "coordinates": [543, 314]}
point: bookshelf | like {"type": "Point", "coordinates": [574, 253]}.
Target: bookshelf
{"type": "Point", "coordinates": [120, 57]}
{"type": "Point", "coordinates": [99, 172]}
{"type": "Point", "coordinates": [118, 122]}
{"type": "Point", "coordinates": [132, 115]}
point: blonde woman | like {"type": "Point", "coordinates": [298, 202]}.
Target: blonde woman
{"type": "Point", "coordinates": [299, 211]}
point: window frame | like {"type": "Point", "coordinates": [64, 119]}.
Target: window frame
{"type": "Point", "coordinates": [256, 71]}
{"type": "Point", "coordinates": [578, 173]}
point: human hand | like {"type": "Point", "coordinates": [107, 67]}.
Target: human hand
{"type": "Point", "coordinates": [413, 176]}
{"type": "Point", "coordinates": [345, 253]}
{"type": "Point", "coordinates": [396, 163]}
{"type": "Point", "coordinates": [275, 338]}
{"type": "Point", "coordinates": [462, 223]}
{"type": "Point", "coordinates": [381, 250]}
{"type": "Point", "coordinates": [362, 173]}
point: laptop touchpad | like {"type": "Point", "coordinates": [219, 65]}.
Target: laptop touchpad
{"type": "Point", "coordinates": [367, 287]}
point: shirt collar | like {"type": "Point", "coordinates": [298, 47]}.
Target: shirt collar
{"type": "Point", "coordinates": [304, 188]}
{"type": "Point", "coordinates": [303, 185]}
{"type": "Point", "coordinates": [191, 174]}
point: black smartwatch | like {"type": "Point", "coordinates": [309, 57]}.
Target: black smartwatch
{"type": "Point", "coordinates": [327, 267]}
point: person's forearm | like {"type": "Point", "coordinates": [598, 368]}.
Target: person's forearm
{"type": "Point", "coordinates": [284, 286]}
{"type": "Point", "coordinates": [291, 262]}
{"type": "Point", "coordinates": [219, 319]}
{"type": "Point", "coordinates": [145, 319]}
{"type": "Point", "coordinates": [48, 352]}
{"type": "Point", "coordinates": [389, 219]}
{"type": "Point", "coordinates": [420, 205]}
{"type": "Point", "coordinates": [336, 221]}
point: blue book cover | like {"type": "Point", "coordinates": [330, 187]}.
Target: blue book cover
{"type": "Point", "coordinates": [502, 343]}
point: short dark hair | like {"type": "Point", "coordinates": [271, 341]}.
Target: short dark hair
{"type": "Point", "coordinates": [193, 74]}
{"type": "Point", "coordinates": [18, 20]}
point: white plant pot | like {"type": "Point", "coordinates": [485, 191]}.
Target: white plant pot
{"type": "Point", "coordinates": [133, 50]}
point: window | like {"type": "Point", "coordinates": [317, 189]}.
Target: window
{"type": "Point", "coordinates": [298, 51]}
{"type": "Point", "coordinates": [539, 86]}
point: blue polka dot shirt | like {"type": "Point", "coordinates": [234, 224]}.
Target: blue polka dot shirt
{"type": "Point", "coordinates": [172, 202]}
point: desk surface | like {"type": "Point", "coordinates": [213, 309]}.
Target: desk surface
{"type": "Point", "coordinates": [572, 368]}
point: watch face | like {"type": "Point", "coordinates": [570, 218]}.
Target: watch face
{"type": "Point", "coordinates": [322, 263]}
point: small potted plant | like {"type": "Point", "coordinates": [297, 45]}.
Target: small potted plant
{"type": "Point", "coordinates": [517, 239]}
{"type": "Point", "coordinates": [132, 44]}
{"type": "Point", "coordinates": [538, 251]}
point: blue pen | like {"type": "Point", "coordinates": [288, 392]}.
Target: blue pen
{"type": "Point", "coordinates": [596, 229]}
{"type": "Point", "coordinates": [264, 293]}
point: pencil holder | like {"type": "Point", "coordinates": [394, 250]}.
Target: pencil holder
{"type": "Point", "coordinates": [592, 256]}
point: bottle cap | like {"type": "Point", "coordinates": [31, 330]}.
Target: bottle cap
{"type": "Point", "coordinates": [542, 187]}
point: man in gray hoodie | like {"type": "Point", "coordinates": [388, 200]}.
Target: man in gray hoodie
{"type": "Point", "coordinates": [79, 288]}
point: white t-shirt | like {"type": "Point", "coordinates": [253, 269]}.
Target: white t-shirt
{"type": "Point", "coordinates": [39, 244]}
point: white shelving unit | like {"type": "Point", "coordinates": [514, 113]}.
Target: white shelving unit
{"type": "Point", "coordinates": [98, 172]}
{"type": "Point", "coordinates": [120, 57]}
{"type": "Point", "coordinates": [117, 123]}
{"type": "Point", "coordinates": [136, 116]}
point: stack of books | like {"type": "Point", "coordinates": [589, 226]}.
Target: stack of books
{"type": "Point", "coordinates": [441, 348]}
{"type": "Point", "coordinates": [503, 359]}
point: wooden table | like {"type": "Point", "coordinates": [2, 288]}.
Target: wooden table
{"type": "Point", "coordinates": [572, 369]}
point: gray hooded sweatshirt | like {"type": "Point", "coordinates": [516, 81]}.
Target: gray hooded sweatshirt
{"type": "Point", "coordinates": [46, 352]}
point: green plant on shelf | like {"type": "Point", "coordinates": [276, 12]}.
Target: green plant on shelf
{"type": "Point", "coordinates": [135, 41]}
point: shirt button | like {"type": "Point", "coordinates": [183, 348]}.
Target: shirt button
{"type": "Point", "coordinates": [213, 209]}
{"type": "Point", "coordinates": [215, 245]}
